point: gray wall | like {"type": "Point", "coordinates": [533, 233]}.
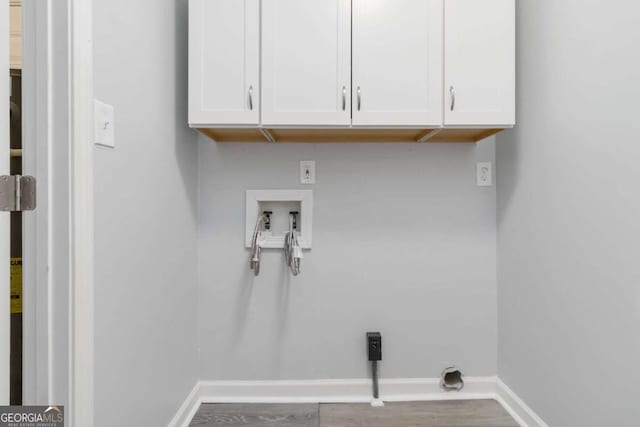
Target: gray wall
{"type": "Point", "coordinates": [146, 245]}
{"type": "Point", "coordinates": [569, 215]}
{"type": "Point", "coordinates": [403, 242]}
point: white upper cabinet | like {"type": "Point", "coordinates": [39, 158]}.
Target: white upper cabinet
{"type": "Point", "coordinates": [278, 70]}
{"type": "Point", "coordinates": [306, 62]}
{"type": "Point", "coordinates": [397, 62]}
{"type": "Point", "coordinates": [479, 58]}
{"type": "Point", "coordinates": [224, 62]}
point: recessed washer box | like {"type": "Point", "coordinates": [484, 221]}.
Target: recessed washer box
{"type": "Point", "coordinates": [280, 202]}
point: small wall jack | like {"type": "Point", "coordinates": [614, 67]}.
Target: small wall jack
{"type": "Point", "coordinates": [374, 350]}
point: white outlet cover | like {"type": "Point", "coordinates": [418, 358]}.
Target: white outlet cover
{"type": "Point", "coordinates": [484, 174]}
{"type": "Point", "coordinates": [104, 132]}
{"type": "Point", "coordinates": [307, 172]}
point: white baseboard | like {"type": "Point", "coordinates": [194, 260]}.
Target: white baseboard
{"type": "Point", "coordinates": [339, 391]}
{"type": "Point", "coordinates": [188, 409]}
{"type": "Point", "coordinates": [520, 411]}
{"type": "Point", "coordinates": [351, 391]}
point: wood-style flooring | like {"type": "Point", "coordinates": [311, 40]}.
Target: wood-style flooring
{"type": "Point", "coordinates": [462, 413]}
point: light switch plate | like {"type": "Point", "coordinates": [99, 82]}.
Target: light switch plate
{"type": "Point", "coordinates": [484, 174]}
{"type": "Point", "coordinates": [104, 131]}
{"type": "Point", "coordinates": [307, 172]}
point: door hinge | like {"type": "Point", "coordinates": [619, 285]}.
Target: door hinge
{"type": "Point", "coordinates": [17, 193]}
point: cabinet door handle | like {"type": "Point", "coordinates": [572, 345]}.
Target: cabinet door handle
{"type": "Point", "coordinates": [344, 98]}
{"type": "Point", "coordinates": [359, 98]}
{"type": "Point", "coordinates": [251, 98]}
{"type": "Point", "coordinates": [452, 91]}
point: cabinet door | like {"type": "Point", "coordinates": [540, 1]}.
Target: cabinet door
{"type": "Point", "coordinates": [397, 62]}
{"type": "Point", "coordinates": [479, 62]}
{"type": "Point", "coordinates": [306, 62]}
{"type": "Point", "coordinates": [224, 62]}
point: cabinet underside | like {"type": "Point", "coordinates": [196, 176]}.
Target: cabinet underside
{"type": "Point", "coordinates": [347, 135]}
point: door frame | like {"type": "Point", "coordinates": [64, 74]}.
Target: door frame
{"type": "Point", "coordinates": [58, 235]}
{"type": "Point", "coordinates": [5, 305]}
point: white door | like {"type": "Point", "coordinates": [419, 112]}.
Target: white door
{"type": "Point", "coordinates": [306, 62]}
{"type": "Point", "coordinates": [479, 45]}
{"type": "Point", "coordinates": [224, 62]}
{"type": "Point", "coordinates": [5, 333]}
{"type": "Point", "coordinates": [397, 62]}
